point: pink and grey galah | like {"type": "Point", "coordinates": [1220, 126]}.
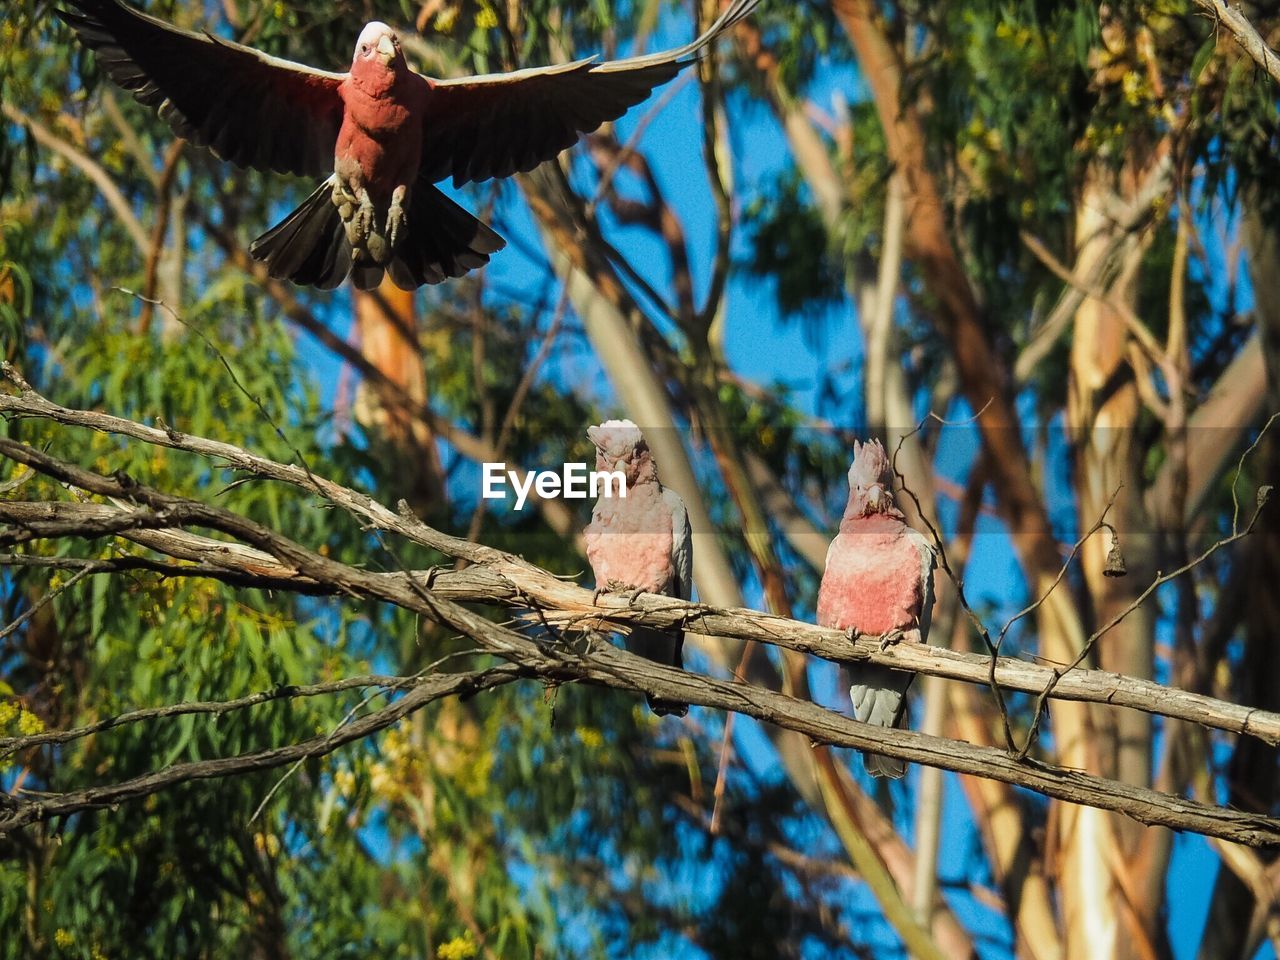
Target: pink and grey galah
{"type": "Point", "coordinates": [878, 580]}
{"type": "Point", "coordinates": [381, 134]}
{"type": "Point", "coordinates": [641, 542]}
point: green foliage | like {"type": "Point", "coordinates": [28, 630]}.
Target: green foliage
{"type": "Point", "coordinates": [791, 246]}
{"type": "Point", "coordinates": [523, 822]}
{"type": "Point", "coordinates": [531, 824]}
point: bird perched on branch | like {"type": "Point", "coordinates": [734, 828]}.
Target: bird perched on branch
{"type": "Point", "coordinates": [640, 542]}
{"type": "Point", "coordinates": [878, 580]}
{"type": "Point", "coordinates": [381, 133]}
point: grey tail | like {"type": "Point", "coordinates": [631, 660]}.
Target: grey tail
{"type": "Point", "coordinates": [444, 241]}
{"type": "Point", "coordinates": [309, 246]}
{"type": "Point", "coordinates": [879, 697]}
{"type": "Point", "coordinates": [666, 708]}
{"type": "Point", "coordinates": [661, 647]}
{"type": "Point", "coordinates": [889, 767]}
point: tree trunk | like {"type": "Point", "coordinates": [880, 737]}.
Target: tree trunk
{"type": "Point", "coordinates": [386, 325]}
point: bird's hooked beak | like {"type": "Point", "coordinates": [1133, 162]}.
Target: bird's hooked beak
{"type": "Point", "coordinates": [386, 49]}
{"type": "Point", "coordinates": [875, 494]}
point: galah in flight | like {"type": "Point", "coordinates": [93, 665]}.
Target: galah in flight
{"type": "Point", "coordinates": [878, 580]}
{"type": "Point", "coordinates": [382, 134]}
{"type": "Point", "coordinates": [640, 542]}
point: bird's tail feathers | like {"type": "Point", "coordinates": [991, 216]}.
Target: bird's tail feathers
{"type": "Point", "coordinates": [308, 246]}
{"type": "Point", "coordinates": [879, 697]}
{"type": "Point", "coordinates": [444, 240]}
{"type": "Point", "coordinates": [890, 768]}
{"type": "Point", "coordinates": [661, 647]}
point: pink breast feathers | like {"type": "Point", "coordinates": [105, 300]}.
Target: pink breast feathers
{"type": "Point", "coordinates": [872, 583]}
{"type": "Point", "coordinates": [629, 541]}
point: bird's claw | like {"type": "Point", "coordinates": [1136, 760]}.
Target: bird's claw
{"type": "Point", "coordinates": [396, 218]}
{"type": "Point", "coordinates": [616, 588]}
{"type": "Point", "coordinates": [355, 207]}
{"type": "Point", "coordinates": [365, 214]}
{"type": "Point", "coordinates": [889, 638]}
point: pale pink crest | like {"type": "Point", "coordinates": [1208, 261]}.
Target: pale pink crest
{"type": "Point", "coordinates": [870, 465]}
{"type": "Point", "coordinates": [617, 439]}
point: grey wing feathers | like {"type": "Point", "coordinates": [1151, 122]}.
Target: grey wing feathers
{"type": "Point", "coordinates": [661, 645]}
{"type": "Point", "coordinates": [247, 107]}
{"type": "Point", "coordinates": [681, 545]}
{"type": "Point", "coordinates": [928, 563]}
{"type": "Point", "coordinates": [498, 124]}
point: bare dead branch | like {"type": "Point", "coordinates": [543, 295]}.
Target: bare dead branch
{"type": "Point", "coordinates": [605, 665]}
{"type": "Point", "coordinates": [504, 579]}
{"type": "Point", "coordinates": [1246, 35]}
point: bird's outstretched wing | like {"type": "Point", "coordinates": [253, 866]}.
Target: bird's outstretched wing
{"type": "Point", "coordinates": [249, 108]}
{"type": "Point", "coordinates": [498, 124]}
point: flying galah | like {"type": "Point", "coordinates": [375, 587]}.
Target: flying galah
{"type": "Point", "coordinates": [382, 133]}
{"type": "Point", "coordinates": [878, 580]}
{"type": "Point", "coordinates": [640, 542]}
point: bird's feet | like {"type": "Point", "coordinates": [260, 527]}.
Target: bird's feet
{"type": "Point", "coordinates": [343, 199]}
{"type": "Point", "coordinates": [616, 588]}
{"type": "Point", "coordinates": [365, 215]}
{"type": "Point", "coordinates": [889, 638]}
{"type": "Point", "coordinates": [396, 218]}
{"type": "Point", "coordinates": [854, 634]}
{"type": "Point", "coordinates": [355, 207]}
{"type": "Point", "coordinates": [624, 590]}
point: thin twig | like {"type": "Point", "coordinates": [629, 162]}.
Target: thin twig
{"type": "Point", "coordinates": [1159, 580]}
{"type": "Point", "coordinates": [42, 603]}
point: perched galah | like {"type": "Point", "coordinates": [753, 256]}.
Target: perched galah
{"type": "Point", "coordinates": [878, 580]}
{"type": "Point", "coordinates": [382, 133]}
{"type": "Point", "coordinates": [640, 542]}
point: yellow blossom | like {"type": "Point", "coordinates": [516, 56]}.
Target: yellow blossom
{"type": "Point", "coordinates": [1132, 86]}
{"type": "Point", "coordinates": [63, 938]}
{"type": "Point", "coordinates": [380, 779]}
{"type": "Point", "coordinates": [345, 781]}
{"type": "Point", "coordinates": [445, 20]}
{"type": "Point", "coordinates": [486, 19]}
{"type": "Point", "coordinates": [29, 724]}
{"type": "Point", "coordinates": [459, 948]}
{"type": "Point", "coordinates": [591, 737]}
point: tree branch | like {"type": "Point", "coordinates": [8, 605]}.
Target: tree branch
{"type": "Point", "coordinates": [1245, 33]}
{"type": "Point", "coordinates": [502, 578]}
{"type": "Point", "coordinates": [597, 664]}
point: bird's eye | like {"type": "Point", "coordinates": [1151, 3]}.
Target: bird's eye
{"type": "Point", "coordinates": [364, 48]}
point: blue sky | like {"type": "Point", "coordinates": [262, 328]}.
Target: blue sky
{"type": "Point", "coordinates": [764, 348]}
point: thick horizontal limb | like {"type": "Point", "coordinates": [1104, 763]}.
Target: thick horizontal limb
{"type": "Point", "coordinates": [556, 662]}
{"type": "Point", "coordinates": [517, 584]}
